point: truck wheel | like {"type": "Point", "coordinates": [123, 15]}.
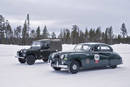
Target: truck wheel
{"type": "Point", "coordinates": [21, 60]}
{"type": "Point", "coordinates": [30, 60]}
{"type": "Point", "coordinates": [57, 68]}
{"type": "Point", "coordinates": [74, 67]}
{"type": "Point", "coordinates": [114, 66]}
{"type": "Point", "coordinates": [45, 59]}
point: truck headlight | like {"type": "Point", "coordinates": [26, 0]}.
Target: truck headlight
{"type": "Point", "coordinates": [24, 54]}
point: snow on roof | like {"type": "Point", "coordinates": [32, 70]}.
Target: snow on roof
{"type": "Point", "coordinates": [93, 43]}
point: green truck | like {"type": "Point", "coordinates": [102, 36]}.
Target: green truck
{"type": "Point", "coordinates": [40, 49]}
{"type": "Point", "coordinates": [85, 56]}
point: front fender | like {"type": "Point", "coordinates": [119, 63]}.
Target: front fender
{"type": "Point", "coordinates": [78, 57]}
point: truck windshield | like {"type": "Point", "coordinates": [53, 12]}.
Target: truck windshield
{"type": "Point", "coordinates": [36, 44]}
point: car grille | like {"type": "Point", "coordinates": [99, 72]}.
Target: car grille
{"type": "Point", "coordinates": [57, 59]}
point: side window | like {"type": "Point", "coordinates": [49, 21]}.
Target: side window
{"type": "Point", "coordinates": [96, 48]}
{"type": "Point", "coordinates": [105, 48]}
{"type": "Point", "coordinates": [46, 46]}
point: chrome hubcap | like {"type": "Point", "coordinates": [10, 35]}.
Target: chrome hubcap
{"type": "Point", "coordinates": [74, 67]}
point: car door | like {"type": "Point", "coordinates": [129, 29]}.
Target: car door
{"type": "Point", "coordinates": [87, 57]}
{"type": "Point", "coordinates": [101, 56]}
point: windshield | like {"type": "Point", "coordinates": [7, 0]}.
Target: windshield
{"type": "Point", "coordinates": [36, 44]}
{"type": "Point", "coordinates": [82, 47]}
{"type": "Point", "coordinates": [78, 47]}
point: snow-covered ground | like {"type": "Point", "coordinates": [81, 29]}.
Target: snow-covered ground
{"type": "Point", "coordinates": [13, 74]}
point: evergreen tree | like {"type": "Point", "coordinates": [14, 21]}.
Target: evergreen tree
{"type": "Point", "coordinates": [119, 38]}
{"type": "Point", "coordinates": [75, 34]}
{"type": "Point", "coordinates": [28, 24]}
{"type": "Point", "coordinates": [9, 32]}
{"type": "Point", "coordinates": [45, 34]}
{"type": "Point", "coordinates": [86, 35]}
{"type": "Point", "coordinates": [1, 28]}
{"type": "Point", "coordinates": [92, 35]}
{"type": "Point", "coordinates": [98, 34]}
{"type": "Point", "coordinates": [110, 35]}
{"type": "Point", "coordinates": [53, 35]}
{"type": "Point", "coordinates": [68, 38]}
{"type": "Point", "coordinates": [25, 34]}
{"type": "Point", "coordinates": [123, 30]}
{"type": "Point", "coordinates": [38, 33]}
{"type": "Point", "coordinates": [32, 34]}
{"type": "Point", "coordinates": [60, 36]}
{"type": "Point", "coordinates": [17, 32]}
{"type": "Point", "coordinates": [106, 35]}
{"type": "Point", "coordinates": [81, 37]}
{"type": "Point", "coordinates": [103, 37]}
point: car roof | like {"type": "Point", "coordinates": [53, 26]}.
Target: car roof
{"type": "Point", "coordinates": [93, 43]}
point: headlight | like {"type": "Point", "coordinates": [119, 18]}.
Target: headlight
{"type": "Point", "coordinates": [64, 56]}
{"type": "Point", "coordinates": [24, 54]}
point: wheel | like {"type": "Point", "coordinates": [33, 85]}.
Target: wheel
{"type": "Point", "coordinates": [114, 66]}
{"type": "Point", "coordinates": [57, 68]}
{"type": "Point", "coordinates": [45, 59]}
{"type": "Point", "coordinates": [30, 59]}
{"type": "Point", "coordinates": [21, 60]}
{"type": "Point", "coordinates": [74, 67]}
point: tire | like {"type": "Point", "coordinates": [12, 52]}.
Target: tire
{"type": "Point", "coordinates": [30, 59]}
{"type": "Point", "coordinates": [114, 66]}
{"type": "Point", "coordinates": [45, 59]}
{"type": "Point", "coordinates": [74, 67]}
{"type": "Point", "coordinates": [57, 68]}
{"type": "Point", "coordinates": [21, 60]}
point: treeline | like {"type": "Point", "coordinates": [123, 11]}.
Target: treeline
{"type": "Point", "coordinates": [94, 35]}
{"type": "Point", "coordinates": [24, 35]}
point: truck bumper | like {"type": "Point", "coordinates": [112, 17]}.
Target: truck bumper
{"type": "Point", "coordinates": [19, 57]}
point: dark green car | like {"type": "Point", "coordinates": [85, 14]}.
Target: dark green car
{"type": "Point", "coordinates": [40, 49]}
{"type": "Point", "coordinates": [85, 56]}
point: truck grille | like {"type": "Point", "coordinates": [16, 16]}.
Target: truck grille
{"type": "Point", "coordinates": [19, 54]}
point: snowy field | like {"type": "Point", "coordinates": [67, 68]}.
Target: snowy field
{"type": "Point", "coordinates": [13, 74]}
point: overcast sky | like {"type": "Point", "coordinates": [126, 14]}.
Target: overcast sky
{"type": "Point", "coordinates": [58, 14]}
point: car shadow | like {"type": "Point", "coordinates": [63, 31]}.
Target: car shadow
{"type": "Point", "coordinates": [36, 63]}
{"type": "Point", "coordinates": [100, 69]}
{"type": "Point", "coordinates": [62, 72]}
{"type": "Point", "coordinates": [66, 72]}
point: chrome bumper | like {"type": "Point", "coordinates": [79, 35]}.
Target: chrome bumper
{"type": "Point", "coordinates": [58, 65]}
